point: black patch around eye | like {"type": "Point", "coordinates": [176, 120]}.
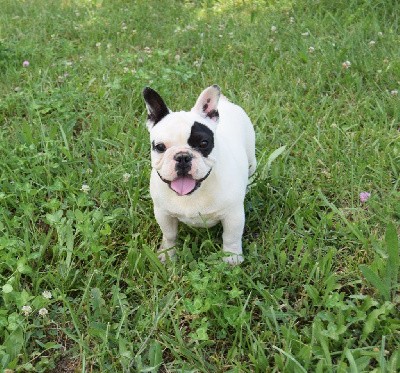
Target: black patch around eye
{"type": "Point", "coordinates": [198, 135]}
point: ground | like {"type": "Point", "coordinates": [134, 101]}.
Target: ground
{"type": "Point", "coordinates": [82, 288]}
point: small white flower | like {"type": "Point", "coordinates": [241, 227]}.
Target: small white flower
{"type": "Point", "coordinates": [47, 294]}
{"type": "Point", "coordinates": [311, 49]}
{"type": "Point", "coordinates": [26, 310]}
{"type": "Point", "coordinates": [126, 69]}
{"type": "Point", "coordinates": [346, 64]}
{"type": "Point", "coordinates": [372, 43]}
{"type": "Point", "coordinates": [85, 188]}
{"type": "Point", "coordinates": [197, 63]}
{"type": "Point", "coordinates": [291, 20]}
{"type": "Point", "coordinates": [98, 44]}
{"type": "Point", "coordinates": [43, 312]}
{"type": "Point", "coordinates": [380, 34]}
{"type": "Point", "coordinates": [273, 28]}
{"type": "Point", "coordinates": [305, 33]}
{"type": "Point", "coordinates": [394, 92]}
{"type": "Point", "coordinates": [126, 176]}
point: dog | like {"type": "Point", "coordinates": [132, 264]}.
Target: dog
{"type": "Point", "coordinates": [201, 163]}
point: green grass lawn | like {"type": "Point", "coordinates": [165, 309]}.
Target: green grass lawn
{"type": "Point", "coordinates": [319, 288]}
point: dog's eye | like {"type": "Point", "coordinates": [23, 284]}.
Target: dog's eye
{"type": "Point", "coordinates": [204, 144]}
{"type": "Point", "coordinates": [161, 148]}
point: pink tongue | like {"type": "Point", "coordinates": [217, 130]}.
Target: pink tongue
{"type": "Point", "coordinates": [183, 185]}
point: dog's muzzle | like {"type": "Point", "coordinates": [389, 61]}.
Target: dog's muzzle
{"type": "Point", "coordinates": [184, 185]}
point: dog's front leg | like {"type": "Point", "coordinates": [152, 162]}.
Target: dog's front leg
{"type": "Point", "coordinates": [233, 225]}
{"type": "Point", "coordinates": [169, 228]}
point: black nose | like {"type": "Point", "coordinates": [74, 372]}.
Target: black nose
{"type": "Point", "coordinates": [183, 163]}
{"type": "Point", "coordinates": [183, 159]}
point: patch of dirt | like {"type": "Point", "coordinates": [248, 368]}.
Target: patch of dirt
{"type": "Point", "coordinates": [67, 364]}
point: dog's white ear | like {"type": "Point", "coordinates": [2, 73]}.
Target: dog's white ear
{"type": "Point", "coordinates": [207, 103]}
{"type": "Point", "coordinates": [156, 108]}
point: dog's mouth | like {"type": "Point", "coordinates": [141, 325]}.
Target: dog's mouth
{"type": "Point", "coordinates": [184, 185]}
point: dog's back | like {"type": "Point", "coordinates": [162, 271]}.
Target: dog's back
{"type": "Point", "coordinates": [235, 125]}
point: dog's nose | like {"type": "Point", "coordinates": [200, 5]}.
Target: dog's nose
{"type": "Point", "coordinates": [183, 159]}
{"type": "Point", "coordinates": [183, 163]}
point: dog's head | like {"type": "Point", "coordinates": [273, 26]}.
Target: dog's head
{"type": "Point", "coordinates": [182, 143]}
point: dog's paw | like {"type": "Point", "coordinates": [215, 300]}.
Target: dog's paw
{"type": "Point", "coordinates": [164, 254]}
{"type": "Point", "coordinates": [234, 259]}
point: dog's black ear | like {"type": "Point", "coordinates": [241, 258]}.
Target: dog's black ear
{"type": "Point", "coordinates": [207, 103]}
{"type": "Point", "coordinates": [156, 108]}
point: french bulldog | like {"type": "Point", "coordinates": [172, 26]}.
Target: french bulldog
{"type": "Point", "coordinates": [201, 163]}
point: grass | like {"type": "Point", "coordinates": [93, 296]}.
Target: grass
{"type": "Point", "coordinates": [319, 289]}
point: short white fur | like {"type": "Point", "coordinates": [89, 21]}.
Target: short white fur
{"type": "Point", "coordinates": [220, 197]}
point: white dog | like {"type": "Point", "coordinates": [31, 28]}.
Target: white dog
{"type": "Point", "coordinates": [201, 161]}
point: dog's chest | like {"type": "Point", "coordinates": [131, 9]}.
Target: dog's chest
{"type": "Point", "coordinates": [201, 221]}
{"type": "Point", "coordinates": [196, 212]}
